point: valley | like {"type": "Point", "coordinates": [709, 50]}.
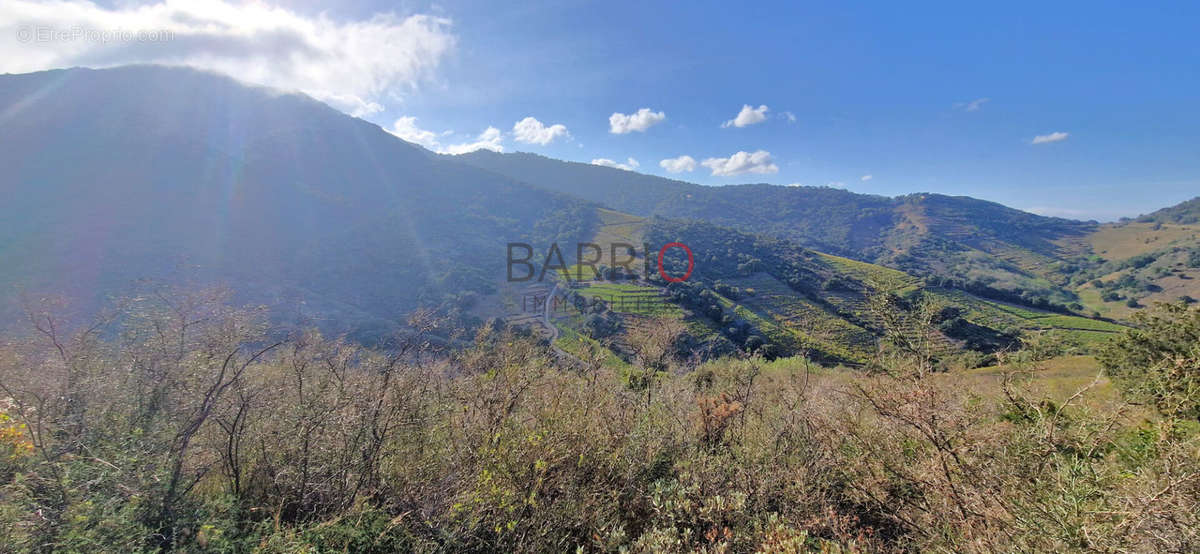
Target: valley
{"type": "Point", "coordinates": [236, 319]}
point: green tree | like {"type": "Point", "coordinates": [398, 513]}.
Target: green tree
{"type": "Point", "coordinates": [1158, 361]}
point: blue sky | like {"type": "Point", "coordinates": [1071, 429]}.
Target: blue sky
{"type": "Point", "coordinates": [939, 97]}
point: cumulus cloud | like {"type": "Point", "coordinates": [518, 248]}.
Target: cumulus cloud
{"type": "Point", "coordinates": [741, 163]}
{"type": "Point", "coordinates": [678, 165]}
{"type": "Point", "coordinates": [629, 165]}
{"type": "Point", "coordinates": [748, 116]}
{"type": "Point", "coordinates": [489, 139]}
{"type": "Point", "coordinates": [972, 106]}
{"type": "Point", "coordinates": [643, 119]}
{"type": "Point", "coordinates": [407, 129]}
{"type": "Point", "coordinates": [1052, 137]}
{"type": "Point", "coordinates": [867, 177]}
{"type": "Point", "coordinates": [836, 185]}
{"type": "Point", "coordinates": [353, 65]}
{"type": "Point", "coordinates": [532, 131]}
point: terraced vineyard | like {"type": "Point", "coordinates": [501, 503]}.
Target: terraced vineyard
{"type": "Point", "coordinates": [877, 276]}
{"type": "Point", "coordinates": [999, 315]}
{"type": "Point", "coordinates": [629, 298]}
{"type": "Point", "coordinates": [575, 344]}
{"type": "Point", "coordinates": [810, 323]}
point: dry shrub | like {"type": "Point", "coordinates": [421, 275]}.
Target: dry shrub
{"type": "Point", "coordinates": [185, 423]}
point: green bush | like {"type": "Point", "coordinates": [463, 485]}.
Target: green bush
{"type": "Point", "coordinates": [189, 425]}
{"type": "Point", "coordinates": [1158, 361]}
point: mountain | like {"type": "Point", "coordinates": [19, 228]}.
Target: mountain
{"type": "Point", "coordinates": [185, 177]}
{"type": "Point", "coordinates": [115, 175]}
{"type": "Point", "coordinates": [954, 237]}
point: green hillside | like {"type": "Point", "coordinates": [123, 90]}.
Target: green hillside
{"type": "Point", "coordinates": [972, 242]}
{"type": "Point", "coordinates": [1127, 266]}
{"type": "Point", "coordinates": [324, 217]}
{"type": "Point", "coordinates": [753, 292]}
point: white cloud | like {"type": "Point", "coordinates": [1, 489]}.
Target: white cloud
{"type": "Point", "coordinates": [748, 116]}
{"type": "Point", "coordinates": [629, 165]}
{"type": "Point", "coordinates": [406, 128]}
{"type": "Point", "coordinates": [1052, 137]}
{"type": "Point", "coordinates": [489, 139]}
{"type": "Point", "coordinates": [791, 117]}
{"type": "Point", "coordinates": [532, 131]}
{"type": "Point", "coordinates": [836, 185]}
{"type": "Point", "coordinates": [867, 177]}
{"type": "Point", "coordinates": [972, 106]}
{"type": "Point", "coordinates": [353, 65]}
{"type": "Point", "coordinates": [678, 165]}
{"type": "Point", "coordinates": [742, 162]}
{"type": "Point", "coordinates": [643, 119]}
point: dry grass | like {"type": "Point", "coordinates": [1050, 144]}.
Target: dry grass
{"type": "Point", "coordinates": [199, 429]}
{"type": "Point", "coordinates": [1125, 240]}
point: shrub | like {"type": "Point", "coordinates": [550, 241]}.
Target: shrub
{"type": "Point", "coordinates": [186, 425]}
{"type": "Point", "coordinates": [1158, 361]}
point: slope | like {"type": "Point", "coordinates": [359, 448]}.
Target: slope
{"type": "Point", "coordinates": [178, 175]}
{"type": "Point", "coordinates": [1127, 266]}
{"type": "Point", "coordinates": [955, 237]}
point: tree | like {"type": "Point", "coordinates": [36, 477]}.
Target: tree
{"type": "Point", "coordinates": [654, 345]}
{"type": "Point", "coordinates": [910, 326]}
{"type": "Point", "coordinates": [1158, 361]}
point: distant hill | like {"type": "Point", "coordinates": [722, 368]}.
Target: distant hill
{"type": "Point", "coordinates": [758, 292]}
{"type": "Point", "coordinates": [181, 176]}
{"type": "Point", "coordinates": [955, 237]}
{"type": "Point", "coordinates": [1183, 213]}
{"type": "Point", "coordinates": [114, 175]}
{"type": "Point", "coordinates": [1126, 266]}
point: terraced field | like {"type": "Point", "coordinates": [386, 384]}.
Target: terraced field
{"type": "Point", "coordinates": [811, 323]}
{"type": "Point", "coordinates": [629, 298]}
{"type": "Point", "coordinates": [575, 344]}
{"type": "Point", "coordinates": [877, 276]}
{"type": "Point", "coordinates": [999, 315]}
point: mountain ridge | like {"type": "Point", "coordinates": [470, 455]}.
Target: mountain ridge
{"type": "Point", "coordinates": [953, 237]}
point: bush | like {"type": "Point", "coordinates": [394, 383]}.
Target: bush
{"type": "Point", "coordinates": [186, 424]}
{"type": "Point", "coordinates": [1159, 360]}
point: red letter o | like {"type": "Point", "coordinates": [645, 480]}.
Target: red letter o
{"type": "Point", "coordinates": [691, 262]}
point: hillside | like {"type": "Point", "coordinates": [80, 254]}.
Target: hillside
{"type": "Point", "coordinates": [111, 176]}
{"type": "Point", "coordinates": [1127, 266]}
{"type": "Point", "coordinates": [1183, 213]}
{"type": "Point", "coordinates": [954, 237]}
{"type": "Point", "coordinates": [194, 178]}
{"type": "Point", "coordinates": [759, 293]}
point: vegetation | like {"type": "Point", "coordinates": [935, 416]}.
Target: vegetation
{"type": "Point", "coordinates": [780, 400]}
{"type": "Point", "coordinates": [1159, 361]}
{"type": "Point", "coordinates": [179, 422]}
{"type": "Point", "coordinates": [1184, 213]}
{"type": "Point", "coordinates": [963, 239]}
